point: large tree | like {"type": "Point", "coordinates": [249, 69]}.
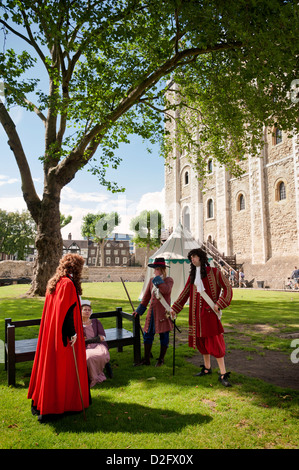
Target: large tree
{"type": "Point", "coordinates": [98, 227]}
{"type": "Point", "coordinates": [147, 227]}
{"type": "Point", "coordinates": [108, 64]}
{"type": "Point", "coordinates": [17, 233]}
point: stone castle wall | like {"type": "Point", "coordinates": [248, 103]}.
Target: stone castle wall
{"type": "Point", "coordinates": [17, 269]}
{"type": "Point", "coordinates": [265, 235]}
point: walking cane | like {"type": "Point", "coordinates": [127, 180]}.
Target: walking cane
{"type": "Point", "coordinates": [130, 301]}
{"type": "Point", "coordinates": [173, 359]}
{"type": "Point", "coordinates": [75, 360]}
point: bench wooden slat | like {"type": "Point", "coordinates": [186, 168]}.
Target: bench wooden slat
{"type": "Point", "coordinates": [23, 346]}
{"type": "Point", "coordinates": [24, 350]}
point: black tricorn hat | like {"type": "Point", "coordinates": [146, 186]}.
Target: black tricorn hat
{"type": "Point", "coordinates": [158, 263]}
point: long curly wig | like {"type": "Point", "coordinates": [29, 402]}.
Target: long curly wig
{"type": "Point", "coordinates": [69, 265]}
{"type": "Point", "coordinates": [203, 263]}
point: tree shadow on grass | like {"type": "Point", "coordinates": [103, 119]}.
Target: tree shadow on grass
{"type": "Point", "coordinates": [108, 417]}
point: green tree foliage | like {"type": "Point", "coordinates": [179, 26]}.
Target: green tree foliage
{"type": "Point", "coordinates": [147, 228]}
{"type": "Point", "coordinates": [108, 66]}
{"type": "Point", "coordinates": [65, 220]}
{"type": "Point", "coordinates": [99, 227]}
{"type": "Point", "coordinates": [17, 233]}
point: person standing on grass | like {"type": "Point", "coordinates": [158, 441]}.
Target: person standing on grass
{"type": "Point", "coordinates": [157, 320]}
{"type": "Point", "coordinates": [53, 386]}
{"type": "Point", "coordinates": [205, 328]}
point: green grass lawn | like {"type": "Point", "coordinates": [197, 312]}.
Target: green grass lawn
{"type": "Point", "coordinates": [150, 408]}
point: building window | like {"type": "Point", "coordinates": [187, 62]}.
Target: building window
{"type": "Point", "coordinates": [116, 252]}
{"type": "Point", "coordinates": [186, 177]}
{"type": "Point", "coordinates": [277, 135]}
{"type": "Point", "coordinates": [125, 260]}
{"type": "Point", "coordinates": [108, 260]}
{"type": "Point", "coordinates": [280, 192]}
{"type": "Point", "coordinates": [117, 260]}
{"type": "Point", "coordinates": [108, 252]}
{"type": "Point", "coordinates": [210, 209]}
{"type": "Point", "coordinates": [210, 166]}
{"type": "Point", "coordinates": [241, 202]}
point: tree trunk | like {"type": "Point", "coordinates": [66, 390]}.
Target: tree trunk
{"type": "Point", "coordinates": [146, 255]}
{"type": "Point", "coordinates": [102, 245]}
{"type": "Point", "coordinates": [49, 244]}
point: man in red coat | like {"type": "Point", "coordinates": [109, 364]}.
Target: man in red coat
{"type": "Point", "coordinates": [54, 387]}
{"type": "Point", "coordinates": [205, 328]}
{"type": "Point", "coordinates": [157, 320]}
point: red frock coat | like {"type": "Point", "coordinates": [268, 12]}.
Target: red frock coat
{"type": "Point", "coordinates": [203, 322]}
{"type": "Point", "coordinates": [162, 322]}
{"type": "Point", "coordinates": [53, 384]}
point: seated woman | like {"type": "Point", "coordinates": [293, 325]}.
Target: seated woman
{"type": "Point", "coordinates": [97, 353]}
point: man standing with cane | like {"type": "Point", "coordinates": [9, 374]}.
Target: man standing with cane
{"type": "Point", "coordinates": [209, 291]}
{"type": "Point", "coordinates": [157, 319]}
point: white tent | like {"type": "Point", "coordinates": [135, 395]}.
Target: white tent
{"type": "Point", "coordinates": [175, 251]}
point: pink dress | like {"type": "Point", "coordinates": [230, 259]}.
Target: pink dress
{"type": "Point", "coordinates": [97, 356]}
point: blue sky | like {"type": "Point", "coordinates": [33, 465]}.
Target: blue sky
{"type": "Point", "coordinates": [141, 173]}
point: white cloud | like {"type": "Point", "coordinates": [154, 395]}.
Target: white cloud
{"type": "Point", "coordinates": [126, 208]}
{"type": "Point", "coordinates": [13, 204]}
{"type": "Point", "coordinates": [6, 180]}
{"type": "Point", "coordinates": [79, 204]}
{"type": "Point", "coordinates": [151, 202]}
{"type": "Point", "coordinates": [69, 194]}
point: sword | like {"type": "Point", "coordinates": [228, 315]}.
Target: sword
{"type": "Point", "coordinates": [75, 360]}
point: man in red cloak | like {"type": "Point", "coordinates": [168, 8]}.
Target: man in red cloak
{"type": "Point", "coordinates": [205, 328]}
{"type": "Point", "coordinates": [54, 387]}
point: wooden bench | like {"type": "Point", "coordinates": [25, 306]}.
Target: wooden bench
{"type": "Point", "coordinates": [24, 350]}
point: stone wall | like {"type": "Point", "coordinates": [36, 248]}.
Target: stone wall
{"type": "Point", "coordinates": [17, 269]}
{"type": "Point", "coordinates": [113, 274]}
{"type": "Point", "coordinates": [274, 272]}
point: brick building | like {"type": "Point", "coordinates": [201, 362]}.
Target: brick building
{"type": "Point", "coordinates": [116, 251]}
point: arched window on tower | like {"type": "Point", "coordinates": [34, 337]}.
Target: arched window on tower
{"type": "Point", "coordinates": [241, 202]}
{"type": "Point", "coordinates": [187, 177]}
{"type": "Point", "coordinates": [276, 135]}
{"type": "Point", "coordinates": [282, 191]}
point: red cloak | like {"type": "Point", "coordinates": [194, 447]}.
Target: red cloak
{"type": "Point", "coordinates": [53, 384]}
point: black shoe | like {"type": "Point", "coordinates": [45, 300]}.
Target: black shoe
{"type": "Point", "coordinates": [159, 362]}
{"type": "Point", "coordinates": [143, 362]}
{"type": "Point", "coordinates": [34, 410]}
{"type": "Point", "coordinates": [223, 379]}
{"type": "Point", "coordinates": [108, 370]}
{"type": "Point", "coordinates": [204, 371]}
